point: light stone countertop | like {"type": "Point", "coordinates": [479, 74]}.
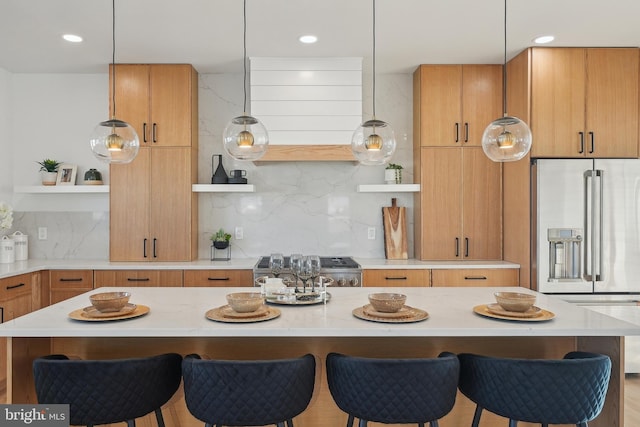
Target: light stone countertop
{"type": "Point", "coordinates": [180, 312]}
{"type": "Point", "coordinates": [34, 265]}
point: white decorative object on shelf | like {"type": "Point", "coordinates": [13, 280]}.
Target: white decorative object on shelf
{"type": "Point", "coordinates": [388, 188]}
{"type": "Point", "coordinates": [51, 189]}
{"type": "Point", "coordinates": [223, 188]}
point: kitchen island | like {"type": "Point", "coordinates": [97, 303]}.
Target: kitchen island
{"type": "Point", "coordinates": [176, 322]}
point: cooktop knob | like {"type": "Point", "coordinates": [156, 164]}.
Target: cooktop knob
{"type": "Point", "coordinates": [342, 282]}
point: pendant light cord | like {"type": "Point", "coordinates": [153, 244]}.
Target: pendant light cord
{"type": "Point", "coordinates": [374, 59]}
{"type": "Point", "coordinates": [113, 55]}
{"type": "Point", "coordinates": [504, 67]}
{"type": "Point", "coordinates": [244, 56]}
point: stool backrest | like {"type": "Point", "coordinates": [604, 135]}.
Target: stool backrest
{"type": "Point", "coordinates": [566, 391]}
{"type": "Point", "coordinates": [394, 390]}
{"type": "Point", "coordinates": [239, 393]}
{"type": "Point", "coordinates": [107, 391]}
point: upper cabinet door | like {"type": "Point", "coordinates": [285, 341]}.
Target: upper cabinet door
{"type": "Point", "coordinates": [558, 102]}
{"type": "Point", "coordinates": [481, 100]}
{"type": "Point", "coordinates": [171, 91]}
{"type": "Point", "coordinates": [132, 96]}
{"type": "Point", "coordinates": [440, 103]}
{"type": "Point", "coordinates": [612, 102]}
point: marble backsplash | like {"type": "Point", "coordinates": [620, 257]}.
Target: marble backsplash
{"type": "Point", "coordinates": [306, 207]}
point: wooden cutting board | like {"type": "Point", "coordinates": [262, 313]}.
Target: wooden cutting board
{"type": "Point", "coordinates": [394, 221]}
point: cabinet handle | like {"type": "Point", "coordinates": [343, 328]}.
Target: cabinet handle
{"type": "Point", "coordinates": [396, 278]}
{"type": "Point", "coordinates": [466, 132]}
{"type": "Point", "coordinates": [457, 132]}
{"type": "Point", "coordinates": [135, 279]}
{"type": "Point", "coordinates": [154, 132]}
{"type": "Point", "coordinates": [457, 245]}
{"type": "Point", "coordinates": [19, 285]}
{"type": "Point", "coordinates": [475, 278]}
{"type": "Point", "coordinates": [593, 142]}
{"type": "Point", "coordinates": [466, 247]}
{"type": "Point", "coordinates": [144, 132]}
{"type": "Point", "coordinates": [155, 255]}
{"type": "Point", "coordinates": [581, 142]}
{"type": "Point", "coordinates": [1, 315]}
{"type": "Point", "coordinates": [144, 247]}
{"type": "Point", "coordinates": [72, 279]}
{"type": "Point", "coordinates": [218, 278]}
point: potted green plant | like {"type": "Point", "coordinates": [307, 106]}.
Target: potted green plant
{"type": "Point", "coordinates": [221, 239]}
{"type": "Point", "coordinates": [49, 169]}
{"type": "Point", "coordinates": [393, 174]}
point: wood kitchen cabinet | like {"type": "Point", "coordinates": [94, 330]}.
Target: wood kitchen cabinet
{"type": "Point", "coordinates": [65, 284]}
{"type": "Point", "coordinates": [395, 277]}
{"type": "Point", "coordinates": [459, 207]}
{"type": "Point", "coordinates": [16, 299]}
{"type": "Point", "coordinates": [153, 211]}
{"type": "Point", "coordinates": [475, 277]}
{"type": "Point", "coordinates": [218, 278]}
{"type": "Point", "coordinates": [453, 104]}
{"type": "Point", "coordinates": [139, 278]}
{"type": "Point", "coordinates": [584, 101]}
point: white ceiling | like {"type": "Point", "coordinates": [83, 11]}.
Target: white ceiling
{"type": "Point", "coordinates": [208, 33]}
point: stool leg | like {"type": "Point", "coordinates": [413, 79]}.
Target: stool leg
{"type": "Point", "coordinates": [289, 423]}
{"type": "Point", "coordinates": [513, 423]}
{"type": "Point", "coordinates": [434, 423]}
{"type": "Point", "coordinates": [362, 423]}
{"type": "Point", "coordinates": [350, 421]}
{"type": "Point", "coordinates": [476, 416]}
{"type": "Point", "coordinates": [131, 423]}
{"type": "Point", "coordinates": [159, 417]}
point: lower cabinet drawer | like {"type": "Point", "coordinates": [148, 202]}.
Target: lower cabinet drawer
{"type": "Point", "coordinates": [393, 277]}
{"type": "Point", "coordinates": [476, 277]}
{"type": "Point", "coordinates": [206, 278]}
{"type": "Point", "coordinates": [139, 278]}
{"type": "Point", "coordinates": [65, 284]}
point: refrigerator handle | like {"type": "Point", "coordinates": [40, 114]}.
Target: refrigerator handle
{"type": "Point", "coordinates": [588, 252]}
{"type": "Point", "coordinates": [599, 276]}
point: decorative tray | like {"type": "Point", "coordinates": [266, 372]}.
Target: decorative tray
{"type": "Point", "coordinates": [90, 314]}
{"type": "Point", "coordinates": [406, 314]}
{"type": "Point", "coordinates": [534, 314]}
{"type": "Point", "coordinates": [228, 315]}
{"type": "Point", "coordinates": [306, 298]}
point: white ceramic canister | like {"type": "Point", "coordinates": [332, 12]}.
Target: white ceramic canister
{"type": "Point", "coordinates": [7, 252]}
{"type": "Point", "coordinates": [21, 245]}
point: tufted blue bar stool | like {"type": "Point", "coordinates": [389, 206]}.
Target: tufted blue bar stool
{"type": "Point", "coordinates": [248, 393]}
{"type": "Point", "coordinates": [108, 391]}
{"type": "Point", "coordinates": [402, 391]}
{"type": "Point", "coordinates": [571, 390]}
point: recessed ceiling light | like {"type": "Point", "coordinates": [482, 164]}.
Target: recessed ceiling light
{"type": "Point", "coordinates": [308, 39]}
{"type": "Point", "coordinates": [543, 39]}
{"type": "Point", "coordinates": [72, 38]}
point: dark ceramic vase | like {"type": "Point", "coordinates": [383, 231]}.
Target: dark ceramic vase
{"type": "Point", "coordinates": [221, 245]}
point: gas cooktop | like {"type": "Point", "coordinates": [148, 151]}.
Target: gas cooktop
{"type": "Point", "coordinates": [325, 263]}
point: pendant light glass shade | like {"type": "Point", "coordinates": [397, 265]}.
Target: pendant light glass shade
{"type": "Point", "coordinates": [245, 138]}
{"type": "Point", "coordinates": [506, 139]}
{"type": "Point", "coordinates": [373, 143]}
{"type": "Point", "coordinates": [114, 141]}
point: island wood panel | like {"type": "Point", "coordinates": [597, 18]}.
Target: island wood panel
{"type": "Point", "coordinates": [395, 277]}
{"type": "Point", "coordinates": [322, 411]}
{"type": "Point", "coordinates": [64, 284]}
{"type": "Point", "coordinates": [146, 278]}
{"type": "Point", "coordinates": [204, 278]}
{"type": "Point", "coordinates": [475, 277]}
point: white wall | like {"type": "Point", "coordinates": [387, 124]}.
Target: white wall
{"type": "Point", "coordinates": [297, 207]}
{"type": "Point", "coordinates": [6, 147]}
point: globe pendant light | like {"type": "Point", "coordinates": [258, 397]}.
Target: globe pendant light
{"type": "Point", "coordinates": [245, 137]}
{"type": "Point", "coordinates": [114, 141]}
{"type": "Point", "coordinates": [373, 142]}
{"type": "Point", "coordinates": [507, 138]}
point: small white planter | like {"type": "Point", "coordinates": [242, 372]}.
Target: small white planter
{"type": "Point", "coordinates": [49, 178]}
{"type": "Point", "coordinates": [393, 176]}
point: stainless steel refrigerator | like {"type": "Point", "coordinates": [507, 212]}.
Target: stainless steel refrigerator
{"type": "Point", "coordinates": [587, 235]}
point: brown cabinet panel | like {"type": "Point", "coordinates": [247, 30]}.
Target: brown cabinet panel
{"type": "Point", "coordinates": [65, 284]}
{"type": "Point", "coordinates": [215, 278]}
{"type": "Point", "coordinates": [393, 277]}
{"type": "Point", "coordinates": [140, 278]}
{"type": "Point", "coordinates": [475, 277]}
